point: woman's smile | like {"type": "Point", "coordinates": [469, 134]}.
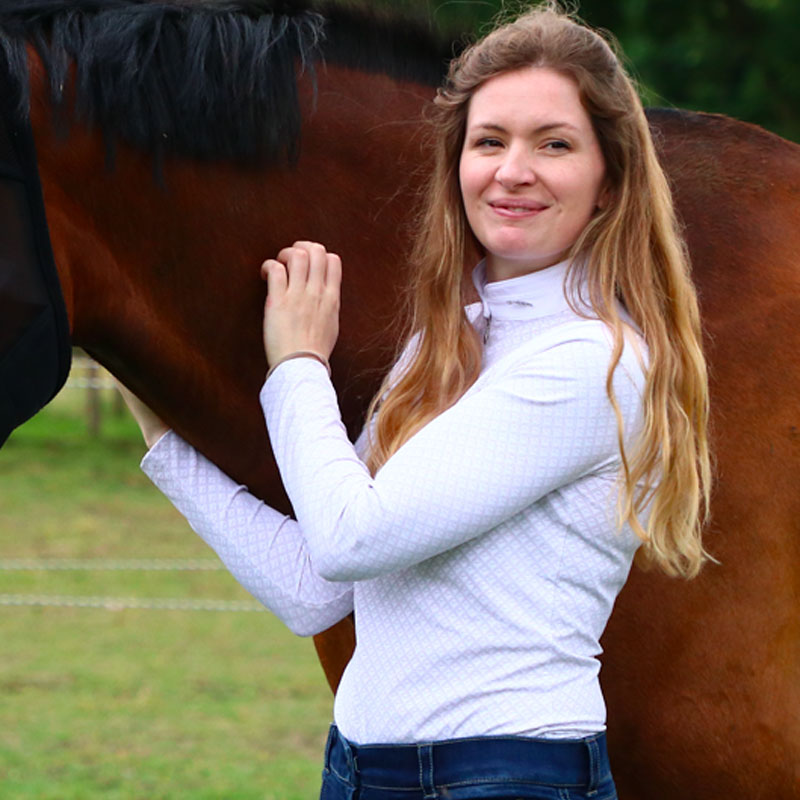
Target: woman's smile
{"type": "Point", "coordinates": [532, 172]}
{"type": "Point", "coordinates": [517, 209]}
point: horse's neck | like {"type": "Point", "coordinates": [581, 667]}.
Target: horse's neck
{"type": "Point", "coordinates": [163, 284]}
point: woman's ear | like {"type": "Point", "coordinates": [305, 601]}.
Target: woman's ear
{"type": "Point", "coordinates": [605, 197]}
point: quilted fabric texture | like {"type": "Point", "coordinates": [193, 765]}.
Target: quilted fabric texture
{"type": "Point", "coordinates": [482, 560]}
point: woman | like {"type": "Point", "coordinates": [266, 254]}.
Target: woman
{"type": "Point", "coordinates": [516, 456]}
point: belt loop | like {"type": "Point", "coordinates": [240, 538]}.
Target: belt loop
{"type": "Point", "coordinates": [594, 766]}
{"type": "Point", "coordinates": [329, 744]}
{"type": "Point", "coordinates": [352, 760]}
{"type": "Point", "coordinates": [350, 757]}
{"type": "Point", "coordinates": [425, 760]}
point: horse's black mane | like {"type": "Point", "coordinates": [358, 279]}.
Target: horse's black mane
{"type": "Point", "coordinates": [207, 79]}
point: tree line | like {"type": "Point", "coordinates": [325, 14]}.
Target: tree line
{"type": "Point", "coordinates": [735, 57]}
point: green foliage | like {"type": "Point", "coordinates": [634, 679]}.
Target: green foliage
{"type": "Point", "coordinates": [737, 57]}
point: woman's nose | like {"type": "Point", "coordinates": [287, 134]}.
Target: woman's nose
{"type": "Point", "coordinates": [516, 168]}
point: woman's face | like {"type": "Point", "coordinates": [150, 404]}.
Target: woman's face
{"type": "Point", "coordinates": [531, 171]}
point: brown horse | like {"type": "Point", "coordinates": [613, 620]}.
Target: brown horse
{"type": "Point", "coordinates": [161, 284]}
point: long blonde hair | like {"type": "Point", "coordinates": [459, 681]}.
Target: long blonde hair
{"type": "Point", "coordinates": [632, 251]}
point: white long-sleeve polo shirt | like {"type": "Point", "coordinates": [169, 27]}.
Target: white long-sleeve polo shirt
{"type": "Point", "coordinates": [482, 560]}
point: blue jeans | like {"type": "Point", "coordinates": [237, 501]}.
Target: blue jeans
{"type": "Point", "coordinates": [500, 767]}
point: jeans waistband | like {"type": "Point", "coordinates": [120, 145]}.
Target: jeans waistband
{"type": "Point", "coordinates": [574, 763]}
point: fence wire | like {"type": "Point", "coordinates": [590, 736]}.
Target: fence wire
{"type": "Point", "coordinates": [87, 374]}
{"type": "Point", "coordinates": [122, 603]}
{"type": "Point", "coordinates": [103, 564]}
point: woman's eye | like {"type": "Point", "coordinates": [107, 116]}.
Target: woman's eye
{"type": "Point", "coordinates": [488, 142]}
{"type": "Point", "coordinates": [557, 145]}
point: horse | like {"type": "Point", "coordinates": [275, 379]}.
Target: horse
{"type": "Point", "coordinates": [180, 144]}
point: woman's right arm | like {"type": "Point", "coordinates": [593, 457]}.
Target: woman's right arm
{"type": "Point", "coordinates": [263, 549]}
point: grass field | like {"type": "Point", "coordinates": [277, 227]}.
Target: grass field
{"type": "Point", "coordinates": [130, 703]}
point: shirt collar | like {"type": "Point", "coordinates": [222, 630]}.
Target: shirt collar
{"type": "Point", "coordinates": [535, 294]}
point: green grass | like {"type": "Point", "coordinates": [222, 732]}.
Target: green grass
{"type": "Point", "coordinates": [125, 704]}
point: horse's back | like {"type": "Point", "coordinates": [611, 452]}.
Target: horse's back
{"type": "Point", "coordinates": [707, 672]}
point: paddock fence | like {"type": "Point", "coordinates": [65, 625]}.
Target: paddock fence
{"type": "Point", "coordinates": [87, 376]}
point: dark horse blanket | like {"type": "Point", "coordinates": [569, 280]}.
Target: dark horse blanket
{"type": "Point", "coordinates": [35, 349]}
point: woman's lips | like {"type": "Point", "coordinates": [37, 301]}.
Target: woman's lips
{"type": "Point", "coordinates": [516, 209]}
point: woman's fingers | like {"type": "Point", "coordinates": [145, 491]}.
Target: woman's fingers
{"type": "Point", "coordinates": [302, 309]}
{"type": "Point", "coordinates": [306, 264]}
{"type": "Point", "coordinates": [317, 266]}
{"type": "Point", "coordinates": [274, 273]}
{"type": "Point", "coordinates": [296, 261]}
{"type": "Point", "coordinates": [333, 277]}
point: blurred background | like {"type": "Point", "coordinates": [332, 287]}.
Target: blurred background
{"type": "Point", "coordinates": [735, 57]}
{"type": "Point", "coordinates": [133, 666]}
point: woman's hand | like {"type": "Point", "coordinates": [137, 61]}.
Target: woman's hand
{"type": "Point", "coordinates": [302, 308]}
{"type": "Point", "coordinates": [152, 427]}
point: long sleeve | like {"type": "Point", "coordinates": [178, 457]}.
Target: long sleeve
{"type": "Point", "coordinates": [536, 421]}
{"type": "Point", "coordinates": [264, 550]}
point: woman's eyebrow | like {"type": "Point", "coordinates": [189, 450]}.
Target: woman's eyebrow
{"type": "Point", "coordinates": [493, 126]}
